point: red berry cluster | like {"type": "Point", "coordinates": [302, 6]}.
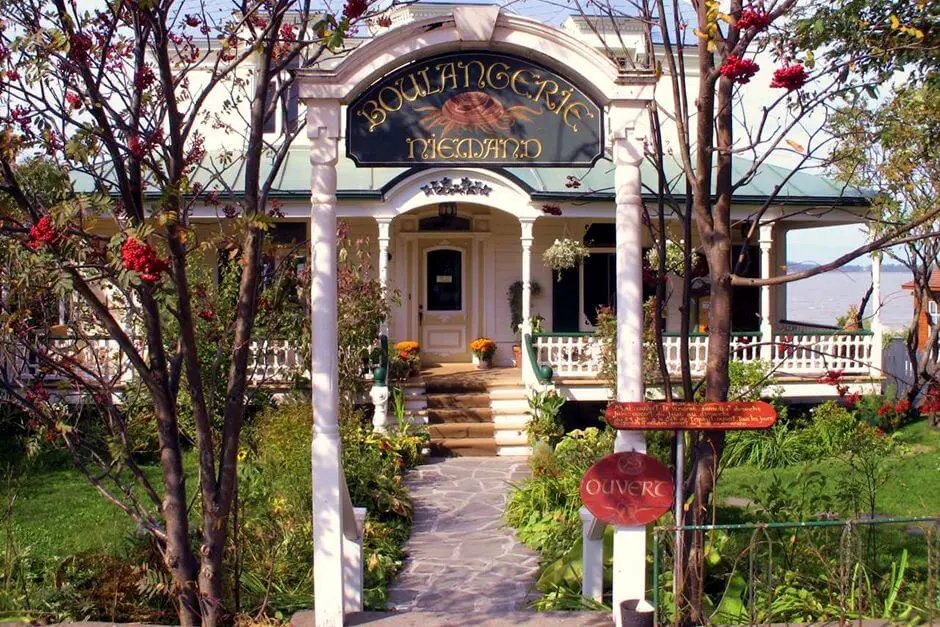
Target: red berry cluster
{"type": "Point", "coordinates": [552, 210]}
{"type": "Point", "coordinates": [572, 182]}
{"type": "Point", "coordinates": [79, 47]}
{"type": "Point", "coordinates": [41, 233]}
{"type": "Point", "coordinates": [753, 18]}
{"type": "Point", "coordinates": [355, 8]}
{"type": "Point", "coordinates": [141, 257]}
{"type": "Point", "coordinates": [738, 70]}
{"type": "Point", "coordinates": [790, 77]}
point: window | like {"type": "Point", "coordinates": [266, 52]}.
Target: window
{"type": "Point", "coordinates": [444, 280]}
{"type": "Point", "coordinates": [933, 312]}
{"type": "Point", "coordinates": [287, 109]}
{"type": "Point", "coordinates": [444, 223]}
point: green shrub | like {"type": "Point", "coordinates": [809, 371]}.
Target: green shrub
{"type": "Point", "coordinates": [544, 508]}
{"type": "Point", "coordinates": [374, 466]}
{"type": "Point", "coordinates": [544, 424]}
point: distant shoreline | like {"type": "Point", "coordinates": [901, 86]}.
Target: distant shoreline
{"type": "Point", "coordinates": [799, 266]}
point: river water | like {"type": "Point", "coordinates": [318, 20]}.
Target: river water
{"type": "Point", "coordinates": [823, 298]}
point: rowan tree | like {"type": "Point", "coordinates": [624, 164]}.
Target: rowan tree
{"type": "Point", "coordinates": [708, 56]}
{"type": "Point", "coordinates": [103, 167]}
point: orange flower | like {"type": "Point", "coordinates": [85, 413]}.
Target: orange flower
{"type": "Point", "coordinates": [407, 348]}
{"type": "Point", "coordinates": [483, 347]}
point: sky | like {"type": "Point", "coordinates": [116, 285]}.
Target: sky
{"type": "Point", "coordinates": [825, 244]}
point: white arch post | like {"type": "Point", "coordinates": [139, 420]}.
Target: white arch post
{"type": "Point", "coordinates": [629, 542]}
{"type": "Point", "coordinates": [323, 130]}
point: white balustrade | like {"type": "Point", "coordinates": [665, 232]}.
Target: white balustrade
{"type": "Point", "coordinates": [569, 355]}
{"type": "Point", "coordinates": [817, 353]}
{"type": "Point", "coordinates": [579, 356]}
{"type": "Point", "coordinates": [273, 361]}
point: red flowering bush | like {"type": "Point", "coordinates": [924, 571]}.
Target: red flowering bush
{"type": "Point", "coordinates": [141, 257]}
{"type": "Point", "coordinates": [753, 18]}
{"type": "Point", "coordinates": [738, 69]}
{"type": "Point", "coordinates": [41, 233]}
{"type": "Point", "coordinates": [790, 77]}
{"type": "Point", "coordinates": [354, 9]}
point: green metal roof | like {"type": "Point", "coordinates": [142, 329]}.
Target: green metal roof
{"type": "Point", "coordinates": [597, 182]}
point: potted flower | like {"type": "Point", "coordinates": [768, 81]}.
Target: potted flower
{"type": "Point", "coordinates": [564, 254]}
{"type": "Point", "coordinates": [407, 361]}
{"type": "Point", "coordinates": [483, 349]}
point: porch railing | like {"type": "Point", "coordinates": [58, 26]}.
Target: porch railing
{"type": "Point", "coordinates": [578, 355]}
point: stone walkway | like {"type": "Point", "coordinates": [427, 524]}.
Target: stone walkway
{"type": "Point", "coordinates": [462, 558]}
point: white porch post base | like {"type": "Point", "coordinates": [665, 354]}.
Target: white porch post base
{"type": "Point", "coordinates": [629, 542]}
{"type": "Point", "coordinates": [592, 556]}
{"type": "Point", "coordinates": [766, 325]}
{"type": "Point", "coordinates": [352, 569]}
{"type": "Point", "coordinates": [323, 124]}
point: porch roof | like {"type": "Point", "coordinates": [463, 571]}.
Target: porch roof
{"type": "Point", "coordinates": [596, 183]}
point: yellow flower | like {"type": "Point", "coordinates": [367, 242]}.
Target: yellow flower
{"type": "Point", "coordinates": [242, 454]}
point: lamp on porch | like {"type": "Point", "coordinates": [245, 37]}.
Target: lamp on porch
{"type": "Point", "coordinates": [447, 210]}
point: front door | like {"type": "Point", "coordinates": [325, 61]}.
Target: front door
{"type": "Point", "coordinates": [443, 306]}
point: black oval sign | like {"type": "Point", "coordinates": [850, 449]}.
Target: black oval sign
{"type": "Point", "coordinates": [474, 107]}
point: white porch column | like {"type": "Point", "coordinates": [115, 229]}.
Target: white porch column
{"type": "Point", "coordinates": [323, 126]}
{"type": "Point", "coordinates": [526, 239]}
{"type": "Point", "coordinates": [385, 228]}
{"type": "Point", "coordinates": [877, 329]}
{"type": "Point", "coordinates": [629, 542]}
{"type": "Point", "coordinates": [766, 241]}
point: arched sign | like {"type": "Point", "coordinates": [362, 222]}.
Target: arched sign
{"type": "Point", "coordinates": [627, 489]}
{"type": "Point", "coordinates": [483, 108]}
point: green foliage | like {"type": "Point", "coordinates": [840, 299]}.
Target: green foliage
{"type": "Point", "coordinates": [883, 37]}
{"type": "Point", "coordinates": [605, 332]}
{"type": "Point", "coordinates": [374, 466]}
{"type": "Point", "coordinates": [514, 294]}
{"type": "Point", "coordinates": [544, 508]}
{"type": "Point", "coordinates": [544, 423]}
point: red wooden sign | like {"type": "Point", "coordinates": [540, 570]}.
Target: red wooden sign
{"type": "Point", "coordinates": [627, 489]}
{"type": "Point", "coordinates": [730, 415]}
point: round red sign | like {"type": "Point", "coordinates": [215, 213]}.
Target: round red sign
{"type": "Point", "coordinates": [627, 489]}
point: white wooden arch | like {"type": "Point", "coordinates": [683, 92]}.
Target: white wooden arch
{"type": "Point", "coordinates": [624, 96]}
{"type": "Point", "coordinates": [505, 194]}
{"type": "Point", "coordinates": [481, 28]}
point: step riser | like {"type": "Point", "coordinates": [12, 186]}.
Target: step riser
{"type": "Point", "coordinates": [441, 416]}
{"type": "Point", "coordinates": [466, 418]}
{"type": "Point", "coordinates": [454, 431]}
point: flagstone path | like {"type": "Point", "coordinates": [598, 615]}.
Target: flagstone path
{"type": "Point", "coordinates": [462, 557]}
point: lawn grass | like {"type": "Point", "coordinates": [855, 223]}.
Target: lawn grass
{"type": "Point", "coordinates": [57, 512]}
{"type": "Point", "coordinates": [912, 488]}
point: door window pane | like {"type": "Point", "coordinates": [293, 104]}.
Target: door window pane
{"type": "Point", "coordinates": [444, 280]}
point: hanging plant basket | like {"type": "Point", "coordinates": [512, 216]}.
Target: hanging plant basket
{"type": "Point", "coordinates": [564, 254]}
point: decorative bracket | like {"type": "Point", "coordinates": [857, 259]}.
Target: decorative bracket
{"type": "Point", "coordinates": [448, 187]}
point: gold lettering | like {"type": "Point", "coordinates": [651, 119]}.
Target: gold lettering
{"type": "Point", "coordinates": [397, 95]}
{"type": "Point", "coordinates": [515, 150]}
{"type": "Point", "coordinates": [574, 109]}
{"type": "Point", "coordinates": [448, 73]}
{"type": "Point", "coordinates": [418, 92]}
{"type": "Point", "coordinates": [411, 147]}
{"type": "Point", "coordinates": [561, 105]}
{"type": "Point", "coordinates": [517, 78]}
{"type": "Point", "coordinates": [375, 114]}
{"type": "Point", "coordinates": [445, 148]}
{"type": "Point", "coordinates": [427, 82]}
{"type": "Point", "coordinates": [466, 73]}
{"type": "Point", "coordinates": [502, 75]}
{"type": "Point", "coordinates": [542, 90]}
{"type": "Point", "coordinates": [538, 146]}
